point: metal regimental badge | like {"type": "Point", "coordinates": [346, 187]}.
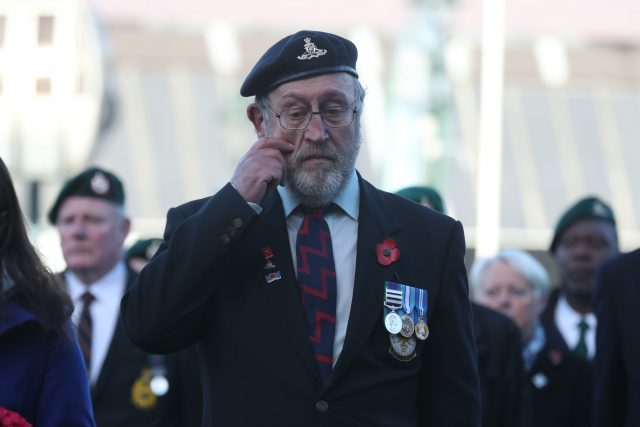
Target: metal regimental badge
{"type": "Point", "coordinates": [141, 395]}
{"type": "Point", "coordinates": [99, 183]}
{"type": "Point", "coordinates": [402, 348]}
{"type": "Point", "coordinates": [311, 50]}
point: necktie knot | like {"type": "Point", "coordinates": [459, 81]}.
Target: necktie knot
{"type": "Point", "coordinates": [87, 298]}
{"type": "Point", "coordinates": [583, 326]}
{"type": "Point", "coordinates": [315, 212]}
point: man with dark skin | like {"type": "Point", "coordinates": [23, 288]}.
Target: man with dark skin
{"type": "Point", "coordinates": [584, 238]}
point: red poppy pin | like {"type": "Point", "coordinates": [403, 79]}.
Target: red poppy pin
{"type": "Point", "coordinates": [387, 251]}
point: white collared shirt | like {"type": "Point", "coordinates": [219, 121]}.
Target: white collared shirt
{"type": "Point", "coordinates": [105, 309]}
{"type": "Point", "coordinates": [567, 320]}
{"type": "Point", "coordinates": [343, 225]}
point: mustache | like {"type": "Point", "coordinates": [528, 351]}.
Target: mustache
{"type": "Point", "coordinates": [308, 151]}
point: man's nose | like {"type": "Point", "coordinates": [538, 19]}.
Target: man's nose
{"type": "Point", "coordinates": [78, 229]}
{"type": "Point", "coordinates": [317, 130]}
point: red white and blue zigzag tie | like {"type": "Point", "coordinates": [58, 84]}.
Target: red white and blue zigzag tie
{"type": "Point", "coordinates": [317, 285]}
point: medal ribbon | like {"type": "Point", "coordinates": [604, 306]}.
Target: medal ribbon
{"type": "Point", "coordinates": [393, 297]}
{"type": "Point", "coordinates": [422, 303]}
{"type": "Point", "coordinates": [409, 300]}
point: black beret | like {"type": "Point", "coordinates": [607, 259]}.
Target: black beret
{"type": "Point", "coordinates": [92, 182]}
{"type": "Point", "coordinates": [587, 208]}
{"type": "Point", "coordinates": [143, 248]}
{"type": "Point", "coordinates": [423, 195]}
{"type": "Point", "coordinates": [300, 56]}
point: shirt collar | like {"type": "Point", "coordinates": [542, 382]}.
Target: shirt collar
{"type": "Point", "coordinates": [101, 289]}
{"type": "Point", "coordinates": [567, 314]}
{"type": "Point", "coordinates": [348, 199]}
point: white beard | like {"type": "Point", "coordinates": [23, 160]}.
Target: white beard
{"type": "Point", "coordinates": [320, 186]}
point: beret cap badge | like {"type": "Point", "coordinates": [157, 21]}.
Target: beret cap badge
{"type": "Point", "coordinates": [100, 183]}
{"type": "Point", "coordinates": [312, 51]}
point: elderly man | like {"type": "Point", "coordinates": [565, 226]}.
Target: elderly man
{"type": "Point", "coordinates": [306, 287]}
{"type": "Point", "coordinates": [617, 371]}
{"type": "Point", "coordinates": [128, 386]}
{"type": "Point", "coordinates": [584, 238]}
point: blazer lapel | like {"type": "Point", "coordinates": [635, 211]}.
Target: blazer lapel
{"type": "Point", "coordinates": [282, 294]}
{"type": "Point", "coordinates": [120, 346]}
{"type": "Point", "coordinates": [375, 223]}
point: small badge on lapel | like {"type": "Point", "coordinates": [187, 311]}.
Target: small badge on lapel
{"type": "Point", "coordinates": [141, 395]}
{"type": "Point", "coordinates": [269, 265]}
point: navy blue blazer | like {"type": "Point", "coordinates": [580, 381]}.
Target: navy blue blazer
{"type": "Point", "coordinates": [617, 362]}
{"type": "Point", "coordinates": [206, 284]}
{"type": "Point", "coordinates": [42, 376]}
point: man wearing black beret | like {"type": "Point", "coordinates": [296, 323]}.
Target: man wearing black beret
{"type": "Point", "coordinates": [128, 386]}
{"type": "Point", "coordinates": [584, 238]}
{"type": "Point", "coordinates": [305, 287]}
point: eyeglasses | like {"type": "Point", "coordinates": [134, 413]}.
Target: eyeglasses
{"type": "Point", "coordinates": [299, 118]}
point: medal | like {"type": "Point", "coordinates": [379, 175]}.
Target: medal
{"type": "Point", "coordinates": [393, 322]}
{"type": "Point", "coordinates": [402, 348]}
{"type": "Point", "coordinates": [408, 301]}
{"type": "Point", "coordinates": [393, 301]}
{"type": "Point", "coordinates": [159, 384]}
{"type": "Point", "coordinates": [421, 328]}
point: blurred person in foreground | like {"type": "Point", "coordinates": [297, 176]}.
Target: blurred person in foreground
{"type": "Point", "coordinates": [516, 284]}
{"type": "Point", "coordinates": [42, 376]}
{"type": "Point", "coordinates": [503, 382]}
{"type": "Point", "coordinates": [584, 238]}
{"type": "Point", "coordinates": [300, 280]}
{"type": "Point", "coordinates": [617, 362]}
{"type": "Point", "coordinates": [129, 387]}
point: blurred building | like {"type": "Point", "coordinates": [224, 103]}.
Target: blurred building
{"type": "Point", "coordinates": [51, 88]}
{"type": "Point", "coordinates": [176, 125]}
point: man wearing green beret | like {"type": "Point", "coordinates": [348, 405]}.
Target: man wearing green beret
{"type": "Point", "coordinates": [128, 386]}
{"type": "Point", "coordinates": [584, 238]}
{"type": "Point", "coordinates": [316, 299]}
{"type": "Point", "coordinates": [141, 252]}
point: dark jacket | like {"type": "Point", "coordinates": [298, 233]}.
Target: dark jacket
{"type": "Point", "coordinates": [42, 376]}
{"type": "Point", "coordinates": [561, 385]}
{"type": "Point", "coordinates": [207, 283]}
{"type": "Point", "coordinates": [617, 363]}
{"type": "Point", "coordinates": [503, 383]}
{"type": "Point", "coordinates": [121, 395]}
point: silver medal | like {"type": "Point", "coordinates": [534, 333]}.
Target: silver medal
{"type": "Point", "coordinates": [393, 322]}
{"type": "Point", "coordinates": [422, 330]}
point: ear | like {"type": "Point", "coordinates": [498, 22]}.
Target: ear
{"type": "Point", "coordinates": [255, 115]}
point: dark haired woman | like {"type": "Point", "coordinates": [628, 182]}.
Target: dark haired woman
{"type": "Point", "coordinates": [42, 375]}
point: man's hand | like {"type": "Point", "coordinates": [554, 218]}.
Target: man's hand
{"type": "Point", "coordinates": [262, 168]}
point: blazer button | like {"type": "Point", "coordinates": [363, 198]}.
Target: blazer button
{"type": "Point", "coordinates": [322, 406]}
{"type": "Point", "coordinates": [237, 223]}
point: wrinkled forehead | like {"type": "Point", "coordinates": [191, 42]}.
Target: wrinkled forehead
{"type": "Point", "coordinates": [75, 205]}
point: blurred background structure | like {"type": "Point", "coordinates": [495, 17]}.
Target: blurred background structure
{"type": "Point", "coordinates": [150, 90]}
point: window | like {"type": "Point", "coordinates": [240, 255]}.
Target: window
{"type": "Point", "coordinates": [45, 30]}
{"type": "Point", "coordinates": [43, 86]}
{"type": "Point", "coordinates": [2, 25]}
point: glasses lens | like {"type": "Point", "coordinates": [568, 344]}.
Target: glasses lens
{"type": "Point", "coordinates": [297, 118]}
{"type": "Point", "coordinates": [337, 116]}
